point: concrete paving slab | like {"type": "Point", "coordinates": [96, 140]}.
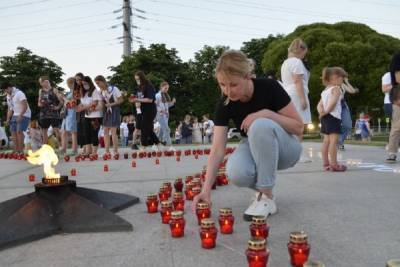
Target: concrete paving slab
{"type": "Point", "coordinates": [352, 218]}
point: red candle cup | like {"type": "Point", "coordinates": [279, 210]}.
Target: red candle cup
{"type": "Point", "coordinates": [134, 155]}
{"type": "Point", "coordinates": [195, 191]}
{"type": "Point", "coordinates": [165, 211]}
{"type": "Point", "coordinates": [298, 248]}
{"type": "Point", "coordinates": [105, 157]}
{"type": "Point", "coordinates": [133, 164]}
{"type": "Point", "coordinates": [31, 177]}
{"type": "Point", "coordinates": [178, 202]}
{"type": "Point", "coordinates": [105, 168]}
{"type": "Point", "coordinates": [152, 203]}
{"type": "Point", "coordinates": [188, 192]}
{"type": "Point", "coordinates": [168, 186]}
{"type": "Point", "coordinates": [188, 180]}
{"type": "Point", "coordinates": [154, 154]}
{"type": "Point", "coordinates": [208, 234]}
{"type": "Point", "coordinates": [196, 182]}
{"type": "Point", "coordinates": [116, 156]}
{"type": "Point", "coordinates": [178, 153]}
{"type": "Point", "coordinates": [163, 194]}
{"type": "Point", "coordinates": [178, 159]}
{"type": "Point", "coordinates": [177, 224]}
{"type": "Point", "coordinates": [202, 211]}
{"type": "Point", "coordinates": [67, 158]}
{"type": "Point", "coordinates": [226, 221]}
{"type": "Point", "coordinates": [126, 155]}
{"type": "Point", "coordinates": [159, 154]}
{"type": "Point", "coordinates": [157, 162]}
{"type": "Point", "coordinates": [77, 158]}
{"type": "Point", "coordinates": [259, 227]}
{"type": "Point", "coordinates": [257, 253]}
{"type": "Point", "coordinates": [73, 172]}
{"type": "Point", "coordinates": [142, 155]}
{"type": "Point", "coordinates": [178, 184]}
{"type": "Point", "coordinates": [149, 155]}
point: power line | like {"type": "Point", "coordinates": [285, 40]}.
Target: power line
{"type": "Point", "coordinates": [24, 4]}
{"type": "Point", "coordinates": [50, 9]}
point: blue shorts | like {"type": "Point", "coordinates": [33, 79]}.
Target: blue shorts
{"type": "Point", "coordinates": [21, 126]}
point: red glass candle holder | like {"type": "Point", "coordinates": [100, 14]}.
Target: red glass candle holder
{"type": "Point", "coordinates": [188, 180]}
{"type": "Point", "coordinates": [116, 156]}
{"type": "Point", "coordinates": [142, 155]}
{"type": "Point", "coordinates": [168, 187]}
{"type": "Point", "coordinates": [133, 164]}
{"type": "Point", "coordinates": [134, 155]}
{"type": "Point", "coordinates": [126, 155]}
{"type": "Point", "coordinates": [188, 192]}
{"type": "Point", "coordinates": [226, 221]}
{"type": "Point", "coordinates": [165, 211]}
{"type": "Point", "coordinates": [259, 227]}
{"type": "Point", "coordinates": [178, 153]}
{"type": "Point", "coordinates": [73, 172]}
{"type": "Point", "coordinates": [208, 234]}
{"type": "Point", "coordinates": [298, 248]}
{"type": "Point", "coordinates": [163, 194]}
{"type": "Point", "coordinates": [196, 156]}
{"type": "Point", "coordinates": [202, 211]}
{"type": "Point", "coordinates": [77, 158]}
{"type": "Point", "coordinates": [1, 155]}
{"type": "Point", "coordinates": [105, 168]}
{"type": "Point", "coordinates": [178, 202]}
{"type": "Point", "coordinates": [67, 158]}
{"type": "Point", "coordinates": [257, 253]}
{"type": "Point", "coordinates": [195, 191]}
{"type": "Point", "coordinates": [178, 184]}
{"type": "Point", "coordinates": [31, 177]}
{"type": "Point", "coordinates": [207, 151]}
{"type": "Point", "coordinates": [105, 157]}
{"type": "Point", "coordinates": [154, 154]}
{"type": "Point", "coordinates": [178, 159]}
{"type": "Point", "coordinates": [177, 224]}
{"type": "Point", "coordinates": [149, 155]}
{"type": "Point", "coordinates": [152, 203]}
{"type": "Point", "coordinates": [196, 182]}
{"type": "Point", "coordinates": [159, 154]}
{"type": "Point", "coordinates": [157, 162]}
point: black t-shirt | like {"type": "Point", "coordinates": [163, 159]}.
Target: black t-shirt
{"type": "Point", "coordinates": [268, 94]}
{"type": "Point", "coordinates": [148, 92]}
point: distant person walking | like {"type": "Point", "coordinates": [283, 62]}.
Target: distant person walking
{"type": "Point", "coordinates": [69, 124]}
{"type": "Point", "coordinates": [163, 103]}
{"type": "Point", "coordinates": [386, 88]}
{"type": "Point", "coordinates": [186, 130]}
{"type": "Point", "coordinates": [18, 114]}
{"type": "Point", "coordinates": [295, 77]}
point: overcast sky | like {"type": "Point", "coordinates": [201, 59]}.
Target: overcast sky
{"type": "Point", "coordinates": [77, 35]}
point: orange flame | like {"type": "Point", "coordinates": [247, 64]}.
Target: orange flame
{"type": "Point", "coordinates": [45, 156]}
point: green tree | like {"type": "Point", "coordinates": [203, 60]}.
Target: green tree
{"type": "Point", "coordinates": [361, 51]}
{"type": "Point", "coordinates": [256, 48]}
{"type": "Point", "coordinates": [159, 64]}
{"type": "Point", "coordinates": [24, 69]}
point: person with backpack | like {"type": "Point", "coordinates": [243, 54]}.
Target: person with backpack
{"type": "Point", "coordinates": [186, 130]}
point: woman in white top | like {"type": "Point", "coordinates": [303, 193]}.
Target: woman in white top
{"type": "Point", "coordinates": [386, 88]}
{"type": "Point", "coordinates": [196, 133]}
{"type": "Point", "coordinates": [295, 78]}
{"type": "Point", "coordinates": [91, 105]}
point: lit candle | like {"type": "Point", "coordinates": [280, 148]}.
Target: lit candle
{"type": "Point", "coordinates": [257, 253]}
{"type": "Point", "coordinates": [134, 155]}
{"type": "Point", "coordinates": [202, 211]}
{"type": "Point", "coordinates": [320, 264]}
{"type": "Point", "coordinates": [77, 158]}
{"type": "Point", "coordinates": [178, 184]}
{"type": "Point", "coordinates": [133, 164]}
{"type": "Point", "coordinates": [159, 154]}
{"type": "Point", "coordinates": [163, 194]}
{"type": "Point", "coordinates": [157, 162]}
{"type": "Point", "coordinates": [31, 177]}
{"type": "Point", "coordinates": [67, 158]}
{"type": "Point", "coordinates": [105, 157]}
{"type": "Point", "coordinates": [153, 154]}
{"type": "Point", "coordinates": [105, 168]}
{"type": "Point", "coordinates": [142, 155]}
{"type": "Point", "coordinates": [208, 233]}
{"type": "Point", "coordinates": [195, 191]}
{"type": "Point", "coordinates": [259, 227]}
{"type": "Point", "coordinates": [178, 158]}
{"type": "Point", "coordinates": [178, 153]}
{"type": "Point", "coordinates": [73, 172]}
{"type": "Point", "coordinates": [188, 192]}
{"type": "Point", "coordinates": [188, 180]}
{"type": "Point", "coordinates": [165, 211]}
{"type": "Point", "coordinates": [126, 155]}
{"type": "Point", "coordinates": [116, 156]}
{"type": "Point", "coordinates": [226, 220]}
{"type": "Point", "coordinates": [298, 248]}
{"type": "Point", "coordinates": [178, 201]}
{"type": "Point", "coordinates": [152, 203]}
{"type": "Point", "coordinates": [168, 188]}
{"type": "Point", "coordinates": [177, 224]}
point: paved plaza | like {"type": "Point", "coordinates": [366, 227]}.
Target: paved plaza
{"type": "Point", "coordinates": [352, 218]}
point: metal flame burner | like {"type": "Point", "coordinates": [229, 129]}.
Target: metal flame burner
{"type": "Point", "coordinates": [59, 206]}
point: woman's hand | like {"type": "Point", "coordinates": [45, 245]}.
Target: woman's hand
{"type": "Point", "coordinates": [204, 196]}
{"type": "Point", "coordinates": [250, 118]}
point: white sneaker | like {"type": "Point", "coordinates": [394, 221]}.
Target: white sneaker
{"type": "Point", "coordinates": [171, 148]}
{"type": "Point", "coordinates": [261, 206]}
{"type": "Point", "coordinates": [154, 148]}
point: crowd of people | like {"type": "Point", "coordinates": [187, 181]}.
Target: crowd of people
{"type": "Point", "coordinates": [88, 115]}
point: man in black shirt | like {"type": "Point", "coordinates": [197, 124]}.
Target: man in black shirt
{"type": "Point", "coordinates": [269, 123]}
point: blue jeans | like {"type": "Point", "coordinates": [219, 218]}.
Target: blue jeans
{"type": "Point", "coordinates": [165, 132]}
{"type": "Point", "coordinates": [19, 126]}
{"type": "Point", "coordinates": [267, 148]}
{"type": "Point", "coordinates": [346, 123]}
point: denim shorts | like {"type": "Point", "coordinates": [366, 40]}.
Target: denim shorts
{"type": "Point", "coordinates": [21, 126]}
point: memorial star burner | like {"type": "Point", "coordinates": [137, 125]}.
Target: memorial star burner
{"type": "Point", "coordinates": [59, 206]}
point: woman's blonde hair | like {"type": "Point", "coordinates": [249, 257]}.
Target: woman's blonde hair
{"type": "Point", "coordinates": [327, 73]}
{"type": "Point", "coordinates": [296, 47]}
{"type": "Point", "coordinates": [234, 63]}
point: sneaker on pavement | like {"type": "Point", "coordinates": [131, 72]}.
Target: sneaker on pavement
{"type": "Point", "coordinates": [171, 148]}
{"type": "Point", "coordinates": [154, 148]}
{"type": "Point", "coordinates": [391, 159]}
{"type": "Point", "coordinates": [261, 206]}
